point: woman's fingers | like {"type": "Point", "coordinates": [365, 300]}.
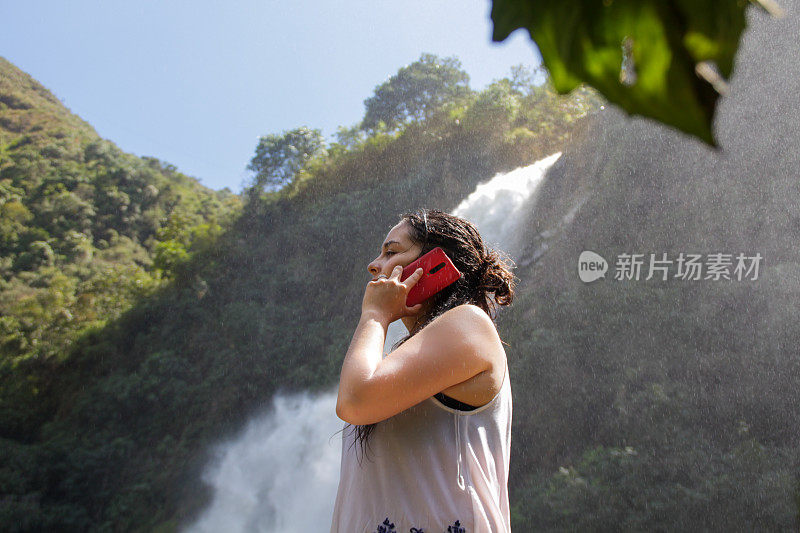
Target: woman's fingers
{"type": "Point", "coordinates": [414, 308]}
{"type": "Point", "coordinates": [397, 272]}
{"type": "Point", "coordinates": [413, 278]}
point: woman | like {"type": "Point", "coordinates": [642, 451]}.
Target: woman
{"type": "Point", "coordinates": [436, 411]}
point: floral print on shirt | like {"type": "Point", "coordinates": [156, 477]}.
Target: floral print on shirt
{"type": "Point", "coordinates": [388, 527]}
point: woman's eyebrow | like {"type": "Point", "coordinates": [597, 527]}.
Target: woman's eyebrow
{"type": "Point", "coordinates": [387, 243]}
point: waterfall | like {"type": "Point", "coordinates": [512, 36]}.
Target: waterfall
{"type": "Point", "coordinates": [281, 473]}
{"type": "Point", "coordinates": [495, 206]}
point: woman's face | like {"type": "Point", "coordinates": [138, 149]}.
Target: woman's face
{"type": "Point", "coordinates": [397, 249]}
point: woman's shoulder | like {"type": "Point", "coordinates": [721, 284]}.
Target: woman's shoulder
{"type": "Point", "coordinates": [470, 316]}
{"type": "Point", "coordinates": [473, 327]}
{"type": "Point", "coordinates": [469, 311]}
{"type": "Point", "coordinates": [474, 323]}
{"type": "Point", "coordinates": [480, 388]}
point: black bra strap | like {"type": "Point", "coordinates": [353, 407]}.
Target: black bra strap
{"type": "Point", "coordinates": [452, 403]}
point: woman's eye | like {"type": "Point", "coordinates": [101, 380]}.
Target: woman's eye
{"type": "Point", "coordinates": [389, 253]}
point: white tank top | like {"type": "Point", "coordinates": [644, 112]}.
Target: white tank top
{"type": "Point", "coordinates": [429, 469]}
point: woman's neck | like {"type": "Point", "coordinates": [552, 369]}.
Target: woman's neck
{"type": "Point", "coordinates": [410, 322]}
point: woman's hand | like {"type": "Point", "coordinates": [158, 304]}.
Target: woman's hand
{"type": "Point", "coordinates": [386, 297]}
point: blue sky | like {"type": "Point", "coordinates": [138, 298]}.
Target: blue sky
{"type": "Point", "coordinates": [196, 83]}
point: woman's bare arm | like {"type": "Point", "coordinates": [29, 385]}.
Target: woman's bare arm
{"type": "Point", "coordinates": [454, 347]}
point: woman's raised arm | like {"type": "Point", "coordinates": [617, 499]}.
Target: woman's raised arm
{"type": "Point", "coordinates": [453, 348]}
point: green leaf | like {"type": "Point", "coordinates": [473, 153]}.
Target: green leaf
{"type": "Point", "coordinates": [583, 41]}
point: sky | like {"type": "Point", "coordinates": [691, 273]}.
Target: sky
{"type": "Point", "coordinates": [195, 84]}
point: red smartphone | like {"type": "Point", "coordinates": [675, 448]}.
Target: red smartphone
{"type": "Point", "coordinates": [438, 271]}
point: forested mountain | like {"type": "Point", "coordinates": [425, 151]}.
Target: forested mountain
{"type": "Point", "coordinates": [144, 316]}
{"type": "Point", "coordinates": [87, 232]}
{"type": "Point", "coordinates": [637, 405]}
{"type": "Point", "coordinates": [657, 404]}
{"type": "Point", "coordinates": [84, 227]}
{"type": "Point", "coordinates": [652, 403]}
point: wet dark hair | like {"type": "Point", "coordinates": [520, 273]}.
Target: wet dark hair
{"type": "Point", "coordinates": [487, 279]}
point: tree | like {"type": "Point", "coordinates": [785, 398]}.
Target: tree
{"type": "Point", "coordinates": [494, 108]}
{"type": "Point", "coordinates": [415, 92]}
{"type": "Point", "coordinates": [279, 158]}
{"type": "Point", "coordinates": [350, 137]}
{"type": "Point", "coordinates": [664, 60]}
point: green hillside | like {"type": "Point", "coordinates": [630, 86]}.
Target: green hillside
{"type": "Point", "coordinates": [178, 313]}
{"type": "Point", "coordinates": [655, 404]}
{"type": "Point", "coordinates": [85, 229]}
{"type": "Point", "coordinates": [87, 233]}
{"type": "Point", "coordinates": [146, 318]}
